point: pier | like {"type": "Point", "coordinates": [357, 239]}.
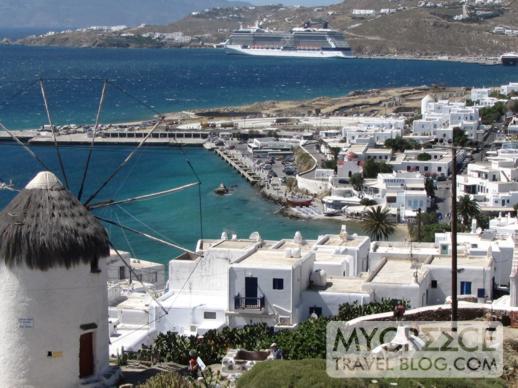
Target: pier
{"type": "Point", "coordinates": [167, 138]}
{"type": "Point", "coordinates": [238, 165]}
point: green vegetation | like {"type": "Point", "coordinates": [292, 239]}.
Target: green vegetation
{"type": "Point", "coordinates": [357, 182]}
{"type": "Point", "coordinates": [307, 340]}
{"type": "Point", "coordinates": [312, 373]}
{"type": "Point", "coordinates": [399, 144]}
{"type": "Point", "coordinates": [167, 380]}
{"type": "Point", "coordinates": [378, 224]}
{"type": "Point", "coordinates": [459, 137]}
{"type": "Point", "coordinates": [424, 156]}
{"type": "Point", "coordinates": [492, 114]}
{"type": "Point", "coordinates": [429, 186]}
{"type": "Point", "coordinates": [425, 226]}
{"type": "Point", "coordinates": [371, 168]}
{"type": "Point", "coordinates": [497, 94]}
{"type": "Point", "coordinates": [467, 210]}
{"type": "Point", "coordinates": [293, 374]}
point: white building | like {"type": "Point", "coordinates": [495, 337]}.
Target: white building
{"type": "Point", "coordinates": [241, 281]}
{"type": "Point", "coordinates": [498, 248]}
{"type": "Point", "coordinates": [404, 191]}
{"type": "Point", "coordinates": [506, 90]}
{"type": "Point", "coordinates": [141, 270]}
{"type": "Point", "coordinates": [493, 184]}
{"type": "Point", "coordinates": [429, 162]}
{"type": "Point", "coordinates": [440, 117]}
{"type": "Point", "coordinates": [54, 304]}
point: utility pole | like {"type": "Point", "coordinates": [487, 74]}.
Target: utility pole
{"type": "Point", "coordinates": [419, 224]}
{"type": "Point", "coordinates": [454, 302]}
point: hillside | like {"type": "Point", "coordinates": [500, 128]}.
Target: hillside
{"type": "Point", "coordinates": [402, 27]}
{"type": "Point", "coordinates": [79, 13]}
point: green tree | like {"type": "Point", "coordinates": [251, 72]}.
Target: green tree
{"type": "Point", "coordinates": [371, 168]}
{"type": "Point", "coordinates": [378, 224]}
{"type": "Point", "coordinates": [399, 144]}
{"type": "Point", "coordinates": [429, 186]}
{"type": "Point", "coordinates": [357, 182]}
{"type": "Point", "coordinates": [467, 210]}
{"type": "Point", "coordinates": [429, 225]}
{"type": "Point", "coordinates": [492, 114]}
{"type": "Point", "coordinates": [459, 137]}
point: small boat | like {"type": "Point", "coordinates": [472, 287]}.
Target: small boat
{"type": "Point", "coordinates": [299, 200]}
{"type": "Point", "coordinates": [221, 189]}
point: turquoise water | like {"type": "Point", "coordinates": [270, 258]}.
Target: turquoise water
{"type": "Point", "coordinates": [175, 217]}
{"type": "Point", "coordinates": [175, 80]}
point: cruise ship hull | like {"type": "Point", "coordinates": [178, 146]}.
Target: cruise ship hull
{"type": "Point", "coordinates": [300, 53]}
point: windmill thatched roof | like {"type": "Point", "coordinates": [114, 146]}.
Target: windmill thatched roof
{"type": "Point", "coordinates": [46, 226]}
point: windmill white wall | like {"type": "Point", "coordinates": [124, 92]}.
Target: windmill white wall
{"type": "Point", "coordinates": [43, 312]}
{"type": "Point", "coordinates": [53, 304]}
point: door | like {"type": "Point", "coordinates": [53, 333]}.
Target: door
{"type": "Point", "coordinates": [250, 291]}
{"type": "Point", "coordinates": [86, 355]}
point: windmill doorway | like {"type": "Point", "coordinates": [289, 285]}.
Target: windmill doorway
{"type": "Point", "coordinates": [86, 355]}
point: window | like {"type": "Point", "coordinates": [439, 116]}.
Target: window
{"type": "Point", "coordinates": [434, 283]}
{"type": "Point", "coordinates": [465, 288]}
{"type": "Point", "coordinates": [209, 315]}
{"type": "Point", "coordinates": [316, 310]}
{"type": "Point", "coordinates": [481, 293]}
{"type": "Point", "coordinates": [94, 266]}
{"type": "Point", "coordinates": [278, 284]}
{"type": "Point", "coordinates": [439, 169]}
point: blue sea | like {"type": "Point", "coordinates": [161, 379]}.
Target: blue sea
{"type": "Point", "coordinates": [178, 80]}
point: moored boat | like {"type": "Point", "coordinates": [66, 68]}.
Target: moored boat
{"type": "Point", "coordinates": [221, 189]}
{"type": "Point", "coordinates": [299, 200]}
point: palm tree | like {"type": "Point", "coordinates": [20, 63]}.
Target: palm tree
{"type": "Point", "coordinates": [467, 210]}
{"type": "Point", "coordinates": [377, 223]}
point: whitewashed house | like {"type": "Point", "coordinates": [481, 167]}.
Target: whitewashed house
{"type": "Point", "coordinates": [493, 184]}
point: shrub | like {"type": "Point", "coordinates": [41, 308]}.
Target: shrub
{"type": "Point", "coordinates": [424, 156]}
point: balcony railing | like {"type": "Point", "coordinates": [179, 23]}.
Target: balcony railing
{"type": "Point", "coordinates": [244, 303]}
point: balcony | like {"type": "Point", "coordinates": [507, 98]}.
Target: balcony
{"type": "Point", "coordinates": [244, 303]}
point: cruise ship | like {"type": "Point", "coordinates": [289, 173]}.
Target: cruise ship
{"type": "Point", "coordinates": [305, 42]}
{"type": "Point", "coordinates": [509, 59]}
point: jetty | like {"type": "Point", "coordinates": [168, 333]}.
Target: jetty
{"type": "Point", "coordinates": [167, 138]}
{"type": "Point", "coordinates": [238, 165]}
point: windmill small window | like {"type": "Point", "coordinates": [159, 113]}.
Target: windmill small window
{"type": "Point", "coordinates": [94, 266]}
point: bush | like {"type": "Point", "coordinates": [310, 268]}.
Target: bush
{"type": "Point", "coordinates": [307, 340]}
{"type": "Point", "coordinates": [166, 380]}
{"type": "Point", "coordinates": [424, 156]}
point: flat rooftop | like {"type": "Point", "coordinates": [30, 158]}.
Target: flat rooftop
{"type": "Point", "coordinates": [345, 284]}
{"type": "Point", "coordinates": [234, 244]}
{"type": "Point", "coordinates": [329, 257]}
{"type": "Point", "coordinates": [142, 264]}
{"type": "Point", "coordinates": [397, 247]}
{"type": "Point", "coordinates": [395, 272]}
{"type": "Point", "coordinates": [268, 258]}
{"type": "Point", "coordinates": [335, 240]}
{"type": "Point", "coordinates": [285, 244]}
{"type": "Point", "coordinates": [470, 261]}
